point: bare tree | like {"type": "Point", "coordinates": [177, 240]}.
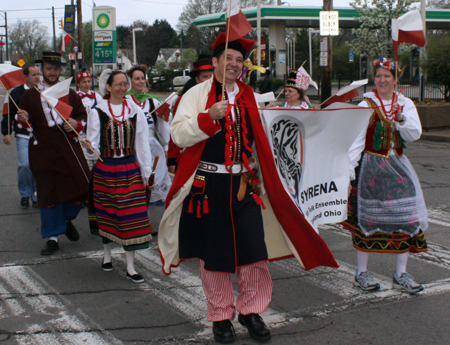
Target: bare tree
{"type": "Point", "coordinates": [29, 39]}
{"type": "Point", "coordinates": [439, 3]}
{"type": "Point", "coordinates": [196, 8]}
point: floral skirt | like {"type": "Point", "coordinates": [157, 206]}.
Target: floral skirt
{"type": "Point", "coordinates": [386, 211]}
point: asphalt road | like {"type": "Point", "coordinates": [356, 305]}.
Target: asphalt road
{"type": "Point", "coordinates": [67, 299]}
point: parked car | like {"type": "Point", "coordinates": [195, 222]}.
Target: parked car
{"type": "Point", "coordinates": [157, 79]}
{"type": "Point", "coordinates": [178, 82]}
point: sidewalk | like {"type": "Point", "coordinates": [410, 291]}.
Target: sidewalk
{"type": "Point", "coordinates": [442, 135]}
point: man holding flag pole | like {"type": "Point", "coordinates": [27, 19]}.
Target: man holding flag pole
{"type": "Point", "coordinates": [56, 157]}
{"type": "Point", "coordinates": [214, 211]}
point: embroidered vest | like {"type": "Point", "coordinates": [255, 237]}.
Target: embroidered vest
{"type": "Point", "coordinates": [115, 140]}
{"type": "Point", "coordinates": [381, 134]}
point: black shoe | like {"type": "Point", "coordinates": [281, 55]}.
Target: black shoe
{"type": "Point", "coordinates": [51, 247]}
{"type": "Point", "coordinates": [34, 203]}
{"type": "Point", "coordinates": [24, 203]}
{"type": "Point", "coordinates": [107, 266]}
{"type": "Point", "coordinates": [137, 278]}
{"type": "Point", "coordinates": [224, 332]}
{"type": "Point", "coordinates": [71, 232]}
{"type": "Point", "coordinates": [256, 326]}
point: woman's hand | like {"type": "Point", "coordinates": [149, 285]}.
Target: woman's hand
{"type": "Point", "coordinates": [150, 187]}
{"type": "Point", "coordinates": [86, 144]}
{"type": "Point", "coordinates": [270, 105]}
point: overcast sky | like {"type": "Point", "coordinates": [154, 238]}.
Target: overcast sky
{"type": "Point", "coordinates": [126, 10]}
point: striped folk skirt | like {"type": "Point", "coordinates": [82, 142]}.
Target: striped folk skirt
{"type": "Point", "coordinates": [117, 203]}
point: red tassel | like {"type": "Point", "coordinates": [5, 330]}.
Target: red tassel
{"type": "Point", "coordinates": [258, 200]}
{"type": "Point", "coordinates": [191, 206]}
{"type": "Point", "coordinates": [205, 205]}
{"type": "Point", "coordinates": [199, 210]}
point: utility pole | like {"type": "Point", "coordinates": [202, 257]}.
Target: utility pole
{"type": "Point", "coordinates": [54, 32]}
{"type": "Point", "coordinates": [326, 70]}
{"type": "Point", "coordinates": [80, 33]}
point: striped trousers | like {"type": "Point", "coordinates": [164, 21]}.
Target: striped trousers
{"type": "Point", "coordinates": [255, 291]}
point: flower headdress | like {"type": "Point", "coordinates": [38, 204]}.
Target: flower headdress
{"type": "Point", "coordinates": [299, 79]}
{"type": "Point", "coordinates": [384, 63]}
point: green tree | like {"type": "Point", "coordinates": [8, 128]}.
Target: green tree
{"type": "Point", "coordinates": [437, 65]}
{"type": "Point", "coordinates": [187, 57]}
{"type": "Point", "coordinates": [373, 37]}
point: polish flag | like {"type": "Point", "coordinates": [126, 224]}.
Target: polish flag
{"type": "Point", "coordinates": [346, 93]}
{"type": "Point", "coordinates": [237, 24]}
{"type": "Point", "coordinates": [163, 111]}
{"type": "Point", "coordinates": [2, 43]}
{"type": "Point", "coordinates": [58, 97]}
{"type": "Point", "coordinates": [11, 76]}
{"type": "Point", "coordinates": [408, 28]}
{"type": "Point", "coordinates": [66, 38]}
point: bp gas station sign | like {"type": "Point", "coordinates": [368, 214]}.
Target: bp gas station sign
{"type": "Point", "coordinates": [104, 35]}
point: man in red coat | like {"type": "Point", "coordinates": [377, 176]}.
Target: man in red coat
{"type": "Point", "coordinates": [56, 157]}
{"type": "Point", "coordinates": [213, 209]}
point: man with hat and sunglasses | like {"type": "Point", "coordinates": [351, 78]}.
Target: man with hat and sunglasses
{"type": "Point", "coordinates": [56, 157]}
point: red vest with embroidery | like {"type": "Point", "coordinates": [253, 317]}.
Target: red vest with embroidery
{"type": "Point", "coordinates": [381, 134]}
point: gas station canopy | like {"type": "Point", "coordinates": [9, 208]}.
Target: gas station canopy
{"type": "Point", "coordinates": [308, 17]}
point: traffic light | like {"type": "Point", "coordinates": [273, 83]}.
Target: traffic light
{"type": "Point", "coordinates": [61, 24]}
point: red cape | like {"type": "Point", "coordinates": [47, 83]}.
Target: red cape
{"type": "Point", "coordinates": [312, 249]}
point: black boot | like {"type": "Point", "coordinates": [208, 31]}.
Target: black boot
{"type": "Point", "coordinates": [256, 326]}
{"type": "Point", "coordinates": [224, 332]}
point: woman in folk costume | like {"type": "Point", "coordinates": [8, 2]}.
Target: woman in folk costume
{"type": "Point", "coordinates": [117, 203]}
{"type": "Point", "coordinates": [159, 132]}
{"type": "Point", "coordinates": [386, 209]}
{"type": "Point", "coordinates": [90, 99]}
{"type": "Point", "coordinates": [214, 209]}
{"type": "Point", "coordinates": [295, 90]}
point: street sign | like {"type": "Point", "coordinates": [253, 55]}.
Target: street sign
{"type": "Point", "coordinates": [21, 62]}
{"type": "Point", "coordinates": [323, 59]}
{"type": "Point", "coordinates": [329, 23]}
{"type": "Point", "coordinates": [324, 44]}
{"type": "Point", "coordinates": [75, 49]}
{"type": "Point", "coordinates": [71, 56]}
{"type": "Point", "coordinates": [351, 56]}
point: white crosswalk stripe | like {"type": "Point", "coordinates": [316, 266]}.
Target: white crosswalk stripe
{"type": "Point", "coordinates": [23, 293]}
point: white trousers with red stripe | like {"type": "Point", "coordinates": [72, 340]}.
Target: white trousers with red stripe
{"type": "Point", "coordinates": [255, 291]}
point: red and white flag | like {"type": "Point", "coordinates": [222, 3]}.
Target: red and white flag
{"type": "Point", "coordinates": [2, 43]}
{"type": "Point", "coordinates": [408, 28]}
{"type": "Point", "coordinates": [347, 92]}
{"type": "Point", "coordinates": [58, 97]}
{"type": "Point", "coordinates": [11, 76]}
{"type": "Point", "coordinates": [163, 111]}
{"type": "Point", "coordinates": [237, 23]}
{"type": "Point", "coordinates": [66, 38]}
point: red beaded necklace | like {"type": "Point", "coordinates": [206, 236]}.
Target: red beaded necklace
{"type": "Point", "coordinates": [389, 114]}
{"type": "Point", "coordinates": [118, 119]}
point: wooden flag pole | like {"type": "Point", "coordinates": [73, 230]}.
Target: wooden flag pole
{"type": "Point", "coordinates": [226, 52]}
{"type": "Point", "coordinates": [68, 123]}
{"type": "Point", "coordinates": [9, 95]}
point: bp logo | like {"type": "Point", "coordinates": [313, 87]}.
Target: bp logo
{"type": "Point", "coordinates": [103, 20]}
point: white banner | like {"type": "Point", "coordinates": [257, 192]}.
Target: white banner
{"type": "Point", "coordinates": [310, 150]}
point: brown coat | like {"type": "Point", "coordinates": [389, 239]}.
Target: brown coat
{"type": "Point", "coordinates": [57, 161]}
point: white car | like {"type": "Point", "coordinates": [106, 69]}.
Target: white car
{"type": "Point", "coordinates": [178, 82]}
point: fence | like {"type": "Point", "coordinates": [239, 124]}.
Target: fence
{"type": "Point", "coordinates": [412, 89]}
